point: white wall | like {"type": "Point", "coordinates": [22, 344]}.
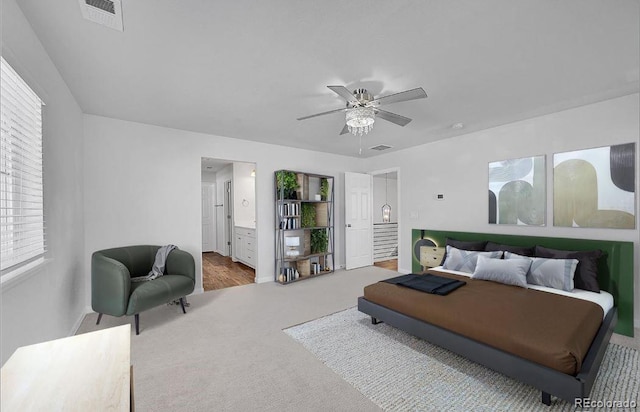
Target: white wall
{"type": "Point", "coordinates": [142, 185]}
{"type": "Point", "coordinates": [244, 195]}
{"type": "Point", "coordinates": [209, 177]}
{"type": "Point", "coordinates": [48, 302]}
{"type": "Point", "coordinates": [385, 192]}
{"type": "Point", "coordinates": [458, 168]}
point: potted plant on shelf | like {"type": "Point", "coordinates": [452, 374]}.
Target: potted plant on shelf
{"type": "Point", "coordinates": [324, 188]}
{"type": "Point", "coordinates": [319, 241]}
{"type": "Point", "coordinates": [307, 215]}
{"type": "Point", "coordinates": [286, 183]}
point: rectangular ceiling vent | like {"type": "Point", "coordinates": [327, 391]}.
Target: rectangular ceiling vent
{"type": "Point", "coordinates": [105, 12]}
{"type": "Point", "coordinates": [380, 147]}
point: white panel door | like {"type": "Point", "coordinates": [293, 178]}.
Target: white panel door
{"type": "Point", "coordinates": [358, 220]}
{"type": "Point", "coordinates": [208, 217]}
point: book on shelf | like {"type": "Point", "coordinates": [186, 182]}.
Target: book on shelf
{"type": "Point", "coordinates": [289, 274]}
{"type": "Point", "coordinates": [289, 209]}
{"type": "Point", "coordinates": [289, 223]}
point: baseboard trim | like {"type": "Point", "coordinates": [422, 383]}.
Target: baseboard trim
{"type": "Point", "coordinates": [264, 279]}
{"type": "Point", "coordinates": [76, 325]}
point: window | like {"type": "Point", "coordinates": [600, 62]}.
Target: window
{"type": "Point", "coordinates": [21, 190]}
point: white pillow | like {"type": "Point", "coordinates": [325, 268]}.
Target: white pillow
{"type": "Point", "coordinates": [465, 260]}
{"type": "Point", "coordinates": [553, 273]}
{"type": "Point", "coordinates": [509, 272]}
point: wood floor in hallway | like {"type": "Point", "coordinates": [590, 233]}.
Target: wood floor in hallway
{"type": "Point", "coordinates": [219, 272]}
{"type": "Point", "coordinates": [391, 264]}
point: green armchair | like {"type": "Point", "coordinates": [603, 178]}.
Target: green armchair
{"type": "Point", "coordinates": [113, 293]}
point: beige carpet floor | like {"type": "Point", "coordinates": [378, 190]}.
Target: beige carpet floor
{"type": "Point", "coordinates": [229, 352]}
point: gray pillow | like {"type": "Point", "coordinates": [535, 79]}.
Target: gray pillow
{"type": "Point", "coordinates": [510, 272]}
{"type": "Point", "coordinates": [553, 273]}
{"type": "Point", "coordinates": [475, 245]}
{"type": "Point", "coordinates": [586, 276]}
{"type": "Point", "coordinates": [465, 260]}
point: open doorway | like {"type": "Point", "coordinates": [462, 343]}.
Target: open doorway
{"type": "Point", "coordinates": [229, 249]}
{"type": "Point", "coordinates": [385, 219]}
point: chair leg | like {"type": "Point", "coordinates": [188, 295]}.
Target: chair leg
{"type": "Point", "coordinates": [99, 317]}
{"type": "Point", "coordinates": [182, 304]}
{"type": "Point", "coordinates": [137, 320]}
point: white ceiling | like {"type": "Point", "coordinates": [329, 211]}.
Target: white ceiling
{"type": "Point", "coordinates": [248, 69]}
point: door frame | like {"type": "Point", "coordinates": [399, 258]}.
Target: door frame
{"type": "Point", "coordinates": [228, 217]}
{"type": "Point", "coordinates": [347, 225]}
{"type": "Point", "coordinates": [211, 202]}
{"type": "Point", "coordinates": [221, 225]}
{"type": "Point", "coordinates": [399, 206]}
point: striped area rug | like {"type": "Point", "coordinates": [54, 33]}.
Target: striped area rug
{"type": "Point", "coordinates": [399, 372]}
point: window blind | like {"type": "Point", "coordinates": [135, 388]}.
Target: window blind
{"type": "Point", "coordinates": [21, 178]}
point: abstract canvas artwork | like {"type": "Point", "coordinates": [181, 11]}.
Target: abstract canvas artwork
{"type": "Point", "coordinates": [595, 187]}
{"type": "Point", "coordinates": [517, 191]}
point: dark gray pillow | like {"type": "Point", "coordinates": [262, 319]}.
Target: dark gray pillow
{"type": "Point", "coordinates": [586, 276]}
{"type": "Point", "coordinates": [474, 245]}
{"type": "Point", "coordinates": [519, 250]}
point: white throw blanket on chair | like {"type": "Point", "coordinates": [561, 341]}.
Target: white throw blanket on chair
{"type": "Point", "coordinates": [158, 265]}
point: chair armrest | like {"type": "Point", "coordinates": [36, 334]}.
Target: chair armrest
{"type": "Point", "coordinates": [181, 263]}
{"type": "Point", "coordinates": [110, 285]}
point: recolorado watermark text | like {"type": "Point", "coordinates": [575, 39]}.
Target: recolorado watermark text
{"type": "Point", "coordinates": [598, 403]}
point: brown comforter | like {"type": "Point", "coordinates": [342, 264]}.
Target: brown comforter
{"type": "Point", "coordinates": [552, 330]}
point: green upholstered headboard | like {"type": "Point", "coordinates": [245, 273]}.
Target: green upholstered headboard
{"type": "Point", "coordinates": [615, 269]}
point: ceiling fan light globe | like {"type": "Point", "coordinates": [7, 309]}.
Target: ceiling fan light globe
{"type": "Point", "coordinates": [360, 120]}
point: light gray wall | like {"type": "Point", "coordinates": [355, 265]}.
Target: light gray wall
{"type": "Point", "coordinates": [50, 301]}
{"type": "Point", "coordinates": [142, 185]}
{"type": "Point", "coordinates": [244, 189]}
{"type": "Point", "coordinates": [209, 177]}
{"type": "Point", "coordinates": [458, 168]}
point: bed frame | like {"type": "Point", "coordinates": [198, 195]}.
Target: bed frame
{"type": "Point", "coordinates": [618, 270]}
{"type": "Point", "coordinates": [549, 381]}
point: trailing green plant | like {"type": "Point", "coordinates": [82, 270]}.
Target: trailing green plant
{"type": "Point", "coordinates": [319, 240]}
{"type": "Point", "coordinates": [287, 183]}
{"type": "Point", "coordinates": [307, 215]}
{"type": "Point", "coordinates": [324, 188]}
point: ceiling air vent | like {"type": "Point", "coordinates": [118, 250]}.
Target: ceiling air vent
{"type": "Point", "coordinates": [105, 12]}
{"type": "Point", "coordinates": [380, 147]}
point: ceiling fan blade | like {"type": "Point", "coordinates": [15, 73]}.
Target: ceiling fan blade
{"type": "Point", "coordinates": [344, 93]}
{"type": "Point", "coordinates": [392, 117]}
{"type": "Point", "coordinates": [322, 114]}
{"type": "Point", "coordinates": [345, 130]}
{"type": "Point", "coordinates": [412, 94]}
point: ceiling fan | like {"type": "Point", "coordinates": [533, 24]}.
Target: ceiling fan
{"type": "Point", "coordinates": [362, 108]}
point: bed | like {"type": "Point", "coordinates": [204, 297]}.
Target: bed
{"type": "Point", "coordinates": [563, 363]}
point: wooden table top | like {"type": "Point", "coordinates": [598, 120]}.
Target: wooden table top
{"type": "Point", "coordinates": [88, 372]}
